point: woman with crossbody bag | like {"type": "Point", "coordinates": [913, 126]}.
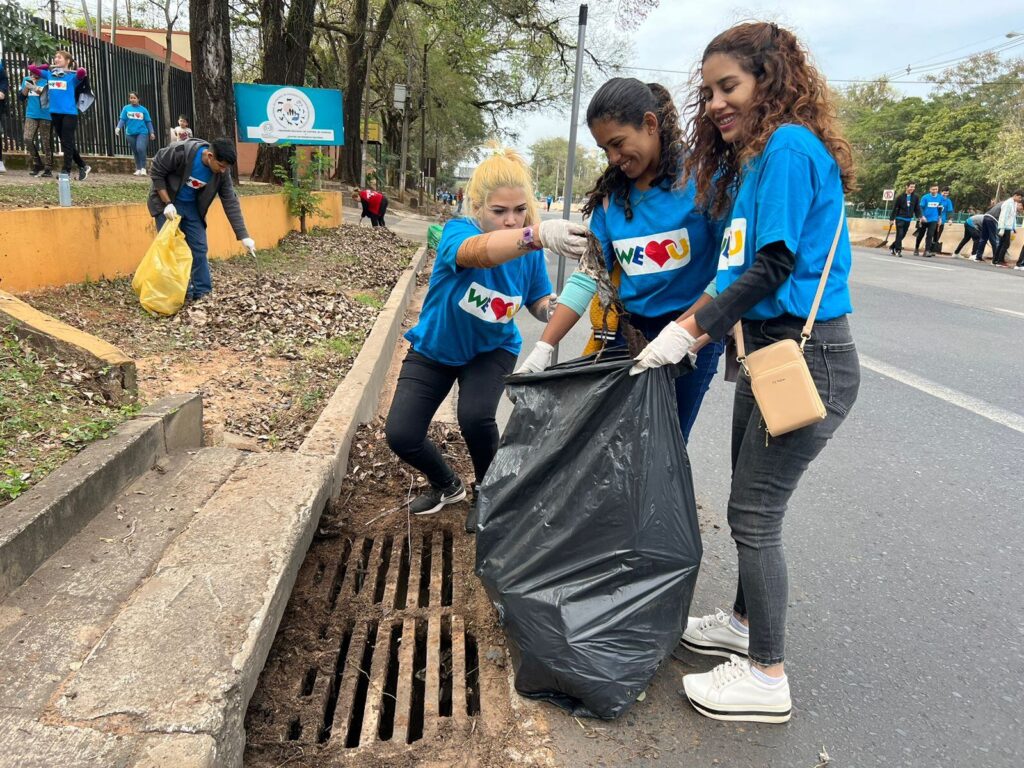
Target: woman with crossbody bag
{"type": "Point", "coordinates": [765, 143]}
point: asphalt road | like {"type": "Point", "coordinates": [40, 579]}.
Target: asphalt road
{"type": "Point", "coordinates": [905, 542]}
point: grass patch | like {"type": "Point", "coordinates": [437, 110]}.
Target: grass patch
{"type": "Point", "coordinates": [46, 415]}
{"type": "Point", "coordinates": [44, 194]}
{"type": "Point", "coordinates": [370, 299]}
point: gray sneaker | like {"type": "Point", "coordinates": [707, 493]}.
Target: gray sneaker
{"type": "Point", "coordinates": [434, 499]}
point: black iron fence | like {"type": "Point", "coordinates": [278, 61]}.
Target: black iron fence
{"type": "Point", "coordinates": [113, 73]}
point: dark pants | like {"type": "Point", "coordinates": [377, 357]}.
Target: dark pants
{"type": "Point", "coordinates": [999, 255]}
{"type": "Point", "coordinates": [766, 471]}
{"type": "Point", "coordinates": [971, 235]}
{"type": "Point", "coordinates": [139, 142]}
{"type": "Point", "coordinates": [200, 283]}
{"type": "Point", "coordinates": [39, 128]}
{"type": "Point", "coordinates": [1020, 259]}
{"type": "Point", "coordinates": [691, 388]}
{"type": "Point", "coordinates": [423, 384]}
{"type": "Point", "coordinates": [928, 228]}
{"type": "Point", "coordinates": [901, 232]}
{"type": "Point", "coordinates": [989, 236]}
{"type": "Point", "coordinates": [64, 127]}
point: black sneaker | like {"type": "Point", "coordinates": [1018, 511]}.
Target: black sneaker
{"type": "Point", "coordinates": [83, 173]}
{"type": "Point", "coordinates": [435, 498]}
{"type": "Point", "coordinates": [35, 171]}
{"type": "Point", "coordinates": [47, 174]}
{"type": "Point", "coordinates": [471, 518]}
{"type": "Point", "coordinates": [917, 252]}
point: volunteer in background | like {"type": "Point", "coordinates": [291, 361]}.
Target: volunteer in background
{"type": "Point", "coordinates": [1006, 225]}
{"type": "Point", "coordinates": [947, 212]}
{"type": "Point", "coordinates": [765, 147]}
{"type": "Point", "coordinates": [5, 90]}
{"type": "Point", "coordinates": [933, 210]}
{"type": "Point", "coordinates": [187, 176]}
{"type": "Point", "coordinates": [647, 223]}
{"type": "Point", "coordinates": [138, 128]}
{"type": "Point", "coordinates": [972, 234]}
{"type": "Point", "coordinates": [61, 80]}
{"type": "Point", "coordinates": [374, 204]}
{"type": "Point", "coordinates": [37, 125]}
{"type": "Point", "coordinates": [488, 266]}
{"type": "Point", "coordinates": [181, 131]}
{"type": "Point", "coordinates": [906, 208]}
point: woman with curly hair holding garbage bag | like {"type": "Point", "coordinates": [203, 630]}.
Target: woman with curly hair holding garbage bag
{"type": "Point", "coordinates": [765, 147]}
{"type": "Point", "coordinates": [489, 265]}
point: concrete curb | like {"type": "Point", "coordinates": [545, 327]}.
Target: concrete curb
{"type": "Point", "coordinates": [354, 402]}
{"type": "Point", "coordinates": [41, 521]}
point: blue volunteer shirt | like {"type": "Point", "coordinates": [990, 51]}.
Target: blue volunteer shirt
{"type": "Point", "coordinates": [136, 120]}
{"type": "Point", "coordinates": [468, 312]}
{"type": "Point", "coordinates": [198, 178]}
{"type": "Point", "coordinates": [791, 192]}
{"type": "Point", "coordinates": [667, 251]}
{"type": "Point", "coordinates": [933, 208]}
{"type": "Point", "coordinates": [947, 209]}
{"type": "Point", "coordinates": [33, 107]}
{"type": "Point", "coordinates": [61, 83]}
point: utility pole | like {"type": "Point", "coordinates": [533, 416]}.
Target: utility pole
{"type": "Point", "coordinates": [423, 127]}
{"type": "Point", "coordinates": [88, 19]}
{"type": "Point", "coordinates": [405, 127]}
{"type": "Point", "coordinates": [366, 101]}
{"type": "Point", "coordinates": [113, 26]}
{"type": "Point", "coordinates": [53, 12]}
{"type": "Point", "coordinates": [99, 19]}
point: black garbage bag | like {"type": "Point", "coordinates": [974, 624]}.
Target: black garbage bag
{"type": "Point", "coordinates": [587, 538]}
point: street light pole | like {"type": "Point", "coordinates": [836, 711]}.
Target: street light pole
{"type": "Point", "coordinates": [570, 167]}
{"type": "Point", "coordinates": [366, 101]}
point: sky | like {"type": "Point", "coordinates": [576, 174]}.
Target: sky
{"type": "Point", "coordinates": [848, 41]}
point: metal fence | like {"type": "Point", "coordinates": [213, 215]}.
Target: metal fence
{"type": "Point", "coordinates": [113, 72]}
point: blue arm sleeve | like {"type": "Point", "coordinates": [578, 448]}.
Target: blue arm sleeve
{"type": "Point", "coordinates": [149, 124]}
{"type": "Point", "coordinates": [578, 292]}
{"type": "Point", "coordinates": [120, 124]}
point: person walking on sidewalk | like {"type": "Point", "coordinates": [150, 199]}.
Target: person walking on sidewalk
{"type": "Point", "coordinates": [636, 207]}
{"type": "Point", "coordinates": [906, 208]}
{"type": "Point", "coordinates": [1006, 225]}
{"type": "Point", "coordinates": [933, 213]}
{"type": "Point", "coordinates": [138, 127]}
{"type": "Point", "coordinates": [37, 125]}
{"type": "Point", "coordinates": [972, 234]}
{"type": "Point", "coordinates": [61, 80]}
{"type": "Point", "coordinates": [186, 177]}
{"type": "Point", "coordinates": [489, 265]}
{"type": "Point", "coordinates": [765, 146]}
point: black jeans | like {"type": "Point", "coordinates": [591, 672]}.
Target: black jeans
{"type": "Point", "coordinates": [999, 255]}
{"type": "Point", "coordinates": [901, 232]}
{"type": "Point", "coordinates": [64, 127]}
{"type": "Point", "coordinates": [928, 228]}
{"type": "Point", "coordinates": [766, 471]}
{"type": "Point", "coordinates": [971, 235]}
{"type": "Point", "coordinates": [989, 236]}
{"type": "Point", "coordinates": [423, 384]}
{"type": "Point", "coordinates": [1020, 259]}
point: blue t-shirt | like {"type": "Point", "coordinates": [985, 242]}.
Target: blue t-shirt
{"type": "Point", "coordinates": [791, 192]}
{"type": "Point", "coordinates": [136, 120]}
{"type": "Point", "coordinates": [468, 312]}
{"type": "Point", "coordinates": [947, 209]}
{"type": "Point", "coordinates": [667, 251]}
{"type": "Point", "coordinates": [199, 178]}
{"type": "Point", "coordinates": [61, 84]}
{"type": "Point", "coordinates": [933, 207]}
{"type": "Point", "coordinates": [33, 109]}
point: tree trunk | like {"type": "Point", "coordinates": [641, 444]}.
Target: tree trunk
{"type": "Point", "coordinates": [285, 51]}
{"type": "Point", "coordinates": [165, 86]}
{"type": "Point", "coordinates": [211, 69]}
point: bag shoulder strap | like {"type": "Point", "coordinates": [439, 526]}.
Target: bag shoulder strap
{"type": "Point", "coordinates": [805, 334]}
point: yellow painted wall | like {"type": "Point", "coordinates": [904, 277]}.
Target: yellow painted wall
{"type": "Point", "coordinates": [43, 247]}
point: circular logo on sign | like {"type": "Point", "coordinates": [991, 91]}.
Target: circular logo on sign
{"type": "Point", "coordinates": [290, 109]}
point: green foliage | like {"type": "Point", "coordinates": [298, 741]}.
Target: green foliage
{"type": "Point", "coordinates": [1004, 160]}
{"type": "Point", "coordinates": [549, 162]}
{"type": "Point", "coordinates": [301, 185]}
{"type": "Point", "coordinates": [17, 34]}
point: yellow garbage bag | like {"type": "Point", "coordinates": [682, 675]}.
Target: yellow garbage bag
{"type": "Point", "coordinates": [161, 279]}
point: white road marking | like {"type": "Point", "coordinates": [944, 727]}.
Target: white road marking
{"type": "Point", "coordinates": [911, 263]}
{"type": "Point", "coordinates": [1010, 312]}
{"type": "Point", "coordinates": [978, 407]}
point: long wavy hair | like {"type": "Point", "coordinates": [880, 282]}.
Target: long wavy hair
{"type": "Point", "coordinates": [504, 168]}
{"type": "Point", "coordinates": [789, 89]}
{"type": "Point", "coordinates": [626, 100]}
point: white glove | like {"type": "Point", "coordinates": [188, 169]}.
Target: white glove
{"type": "Point", "coordinates": [249, 243]}
{"type": "Point", "coordinates": [117, 131]}
{"type": "Point", "coordinates": [670, 346]}
{"type": "Point", "coordinates": [538, 359]}
{"type": "Point", "coordinates": [170, 211]}
{"type": "Point", "coordinates": [563, 237]}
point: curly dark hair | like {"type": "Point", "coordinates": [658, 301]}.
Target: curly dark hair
{"type": "Point", "coordinates": [626, 100]}
{"type": "Point", "coordinates": [789, 90]}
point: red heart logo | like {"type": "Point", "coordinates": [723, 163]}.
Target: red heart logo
{"type": "Point", "coordinates": [658, 252]}
{"type": "Point", "coordinates": [499, 307]}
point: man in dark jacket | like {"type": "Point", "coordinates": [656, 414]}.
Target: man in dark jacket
{"type": "Point", "coordinates": [5, 94]}
{"type": "Point", "coordinates": [187, 176]}
{"type": "Point", "coordinates": [906, 208]}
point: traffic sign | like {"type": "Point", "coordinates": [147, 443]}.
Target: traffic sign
{"type": "Point", "coordinates": [888, 194]}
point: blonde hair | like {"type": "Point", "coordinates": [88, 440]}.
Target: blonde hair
{"type": "Point", "coordinates": [504, 168]}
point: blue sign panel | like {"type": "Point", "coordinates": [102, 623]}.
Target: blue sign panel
{"type": "Point", "coordinates": [269, 114]}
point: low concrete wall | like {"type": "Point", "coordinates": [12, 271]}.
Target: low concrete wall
{"type": "Point", "coordinates": [45, 247]}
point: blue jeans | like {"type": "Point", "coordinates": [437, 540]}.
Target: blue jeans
{"type": "Point", "coordinates": [766, 471]}
{"type": "Point", "coordinates": [138, 142]}
{"type": "Point", "coordinates": [194, 230]}
{"type": "Point", "coordinates": [691, 388]}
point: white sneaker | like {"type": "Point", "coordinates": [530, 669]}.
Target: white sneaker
{"type": "Point", "coordinates": [1018, 267]}
{"type": "Point", "coordinates": [731, 692]}
{"type": "Point", "coordinates": [3, 168]}
{"type": "Point", "coordinates": [713, 635]}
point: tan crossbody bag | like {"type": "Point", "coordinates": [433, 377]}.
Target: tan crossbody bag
{"type": "Point", "coordinates": [779, 376]}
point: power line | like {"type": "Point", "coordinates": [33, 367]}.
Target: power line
{"type": "Point", "coordinates": [840, 80]}
{"type": "Point", "coordinates": [944, 53]}
{"type": "Point", "coordinates": [924, 66]}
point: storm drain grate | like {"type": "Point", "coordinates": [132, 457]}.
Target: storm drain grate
{"type": "Point", "coordinates": [392, 660]}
